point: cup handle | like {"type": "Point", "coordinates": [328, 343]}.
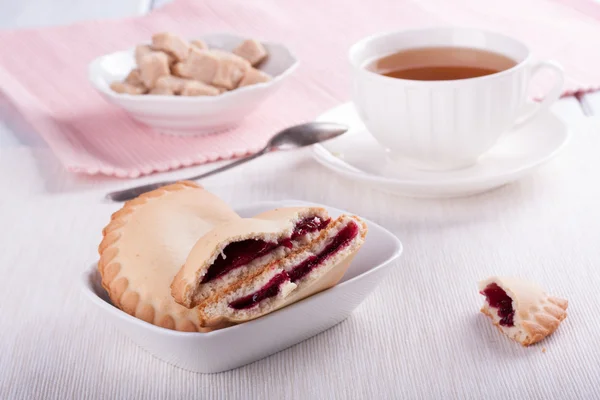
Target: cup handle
{"type": "Point", "coordinates": [550, 97]}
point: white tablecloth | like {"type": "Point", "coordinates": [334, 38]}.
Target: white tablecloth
{"type": "Point", "coordinates": [419, 335]}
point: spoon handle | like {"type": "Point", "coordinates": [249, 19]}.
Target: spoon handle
{"type": "Point", "coordinates": [131, 193]}
{"type": "Point", "coordinates": [230, 165]}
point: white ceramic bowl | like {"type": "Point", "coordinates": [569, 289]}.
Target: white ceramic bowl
{"type": "Point", "coordinates": [242, 344]}
{"type": "Point", "coordinates": [183, 115]}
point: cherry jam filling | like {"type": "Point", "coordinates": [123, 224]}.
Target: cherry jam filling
{"type": "Point", "coordinates": [241, 253]}
{"type": "Point", "coordinates": [269, 290]}
{"type": "Point", "coordinates": [341, 240]}
{"type": "Point", "coordinates": [497, 298]}
{"type": "Point", "coordinates": [309, 225]}
{"type": "Point", "coordinates": [236, 255]}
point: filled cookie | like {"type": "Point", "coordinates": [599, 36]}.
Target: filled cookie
{"type": "Point", "coordinates": [242, 248]}
{"type": "Point", "coordinates": [248, 268]}
{"type": "Point", "coordinates": [145, 244]}
{"type": "Point", "coordinates": [521, 310]}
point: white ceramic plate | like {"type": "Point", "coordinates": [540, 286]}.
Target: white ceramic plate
{"type": "Point", "coordinates": [358, 156]}
{"type": "Point", "coordinates": [242, 344]}
{"type": "Point", "coordinates": [183, 115]}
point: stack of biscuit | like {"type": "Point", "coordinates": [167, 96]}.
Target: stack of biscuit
{"type": "Point", "coordinates": [171, 65]}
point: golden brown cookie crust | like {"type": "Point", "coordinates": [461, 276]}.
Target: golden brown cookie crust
{"type": "Point", "coordinates": [145, 244]}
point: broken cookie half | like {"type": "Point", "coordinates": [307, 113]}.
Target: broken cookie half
{"type": "Point", "coordinates": [248, 268]}
{"type": "Point", "coordinates": [146, 242]}
{"type": "Point", "coordinates": [521, 309]}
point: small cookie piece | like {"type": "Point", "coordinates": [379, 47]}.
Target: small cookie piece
{"type": "Point", "coordinates": [162, 91]}
{"type": "Point", "coordinates": [241, 62]}
{"type": "Point", "coordinates": [254, 76]}
{"type": "Point", "coordinates": [152, 66]}
{"type": "Point", "coordinates": [143, 50]}
{"type": "Point", "coordinates": [197, 88]}
{"type": "Point", "coordinates": [199, 44]}
{"type": "Point", "coordinates": [521, 310]}
{"type": "Point", "coordinates": [126, 88]}
{"type": "Point", "coordinates": [140, 51]}
{"type": "Point", "coordinates": [228, 75]}
{"type": "Point", "coordinates": [201, 65]}
{"type": "Point", "coordinates": [251, 50]}
{"type": "Point", "coordinates": [173, 83]}
{"type": "Point", "coordinates": [134, 78]}
{"type": "Point", "coordinates": [171, 44]}
{"type": "Point", "coordinates": [231, 69]}
{"type": "Point", "coordinates": [179, 70]}
{"type": "Point", "coordinates": [213, 67]}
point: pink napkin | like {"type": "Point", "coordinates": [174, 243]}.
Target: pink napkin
{"type": "Point", "coordinates": [44, 72]}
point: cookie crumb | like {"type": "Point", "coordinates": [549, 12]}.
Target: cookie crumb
{"type": "Point", "coordinates": [543, 349]}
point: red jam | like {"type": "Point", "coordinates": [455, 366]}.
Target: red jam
{"type": "Point", "coordinates": [309, 225]}
{"type": "Point", "coordinates": [241, 253]}
{"type": "Point", "coordinates": [497, 298]}
{"type": "Point", "coordinates": [269, 290]}
{"type": "Point", "coordinates": [236, 255]}
{"type": "Point", "coordinates": [341, 240]}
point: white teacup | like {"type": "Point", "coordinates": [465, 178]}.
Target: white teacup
{"type": "Point", "coordinates": [441, 125]}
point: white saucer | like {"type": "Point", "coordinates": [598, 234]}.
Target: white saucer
{"type": "Point", "coordinates": [357, 155]}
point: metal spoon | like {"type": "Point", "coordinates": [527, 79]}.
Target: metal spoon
{"type": "Point", "coordinates": [288, 139]}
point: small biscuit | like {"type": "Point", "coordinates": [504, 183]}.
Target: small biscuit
{"type": "Point", "coordinates": [231, 69]}
{"type": "Point", "coordinates": [153, 66]}
{"type": "Point", "coordinates": [196, 88]}
{"type": "Point", "coordinates": [178, 69]}
{"type": "Point", "coordinates": [126, 88]}
{"type": "Point", "coordinates": [141, 51]}
{"type": "Point", "coordinates": [251, 50]}
{"type": "Point", "coordinates": [171, 44]}
{"type": "Point", "coordinates": [134, 78]}
{"type": "Point", "coordinates": [172, 83]}
{"type": "Point", "coordinates": [162, 91]}
{"type": "Point", "coordinates": [201, 65]}
{"type": "Point", "coordinates": [254, 76]}
{"type": "Point", "coordinates": [228, 75]}
{"type": "Point", "coordinates": [144, 49]}
{"type": "Point", "coordinates": [239, 61]}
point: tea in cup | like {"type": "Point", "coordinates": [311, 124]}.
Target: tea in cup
{"type": "Point", "coordinates": [440, 98]}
